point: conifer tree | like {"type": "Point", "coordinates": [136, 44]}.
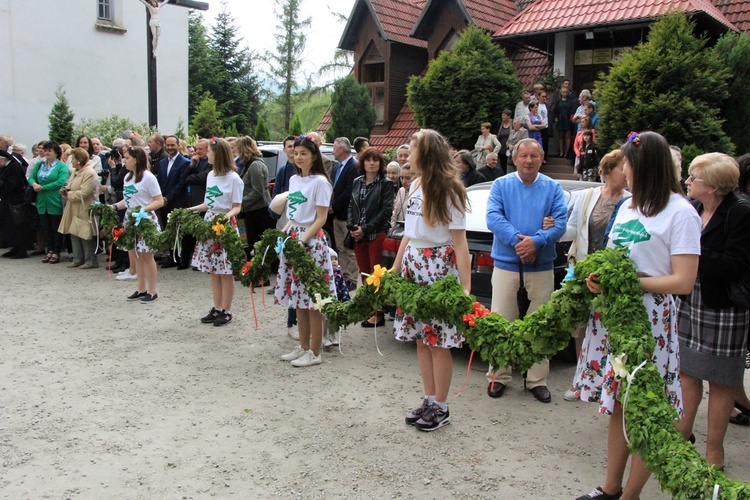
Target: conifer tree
{"type": "Point", "coordinates": [352, 114]}
{"type": "Point", "coordinates": [61, 118]}
{"type": "Point", "coordinates": [295, 128]}
{"type": "Point", "coordinates": [206, 121]}
{"type": "Point", "coordinates": [261, 130]}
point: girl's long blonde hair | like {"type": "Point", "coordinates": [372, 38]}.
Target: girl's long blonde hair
{"type": "Point", "coordinates": [438, 177]}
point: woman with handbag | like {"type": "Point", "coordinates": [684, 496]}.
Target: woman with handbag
{"type": "Point", "coordinates": [712, 329]}
{"type": "Point", "coordinates": [370, 211]}
{"type": "Point", "coordinates": [80, 192]}
{"type": "Point", "coordinates": [46, 179]}
{"type": "Point", "coordinates": [586, 225]}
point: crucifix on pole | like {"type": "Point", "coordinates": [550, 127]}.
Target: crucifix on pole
{"type": "Point", "coordinates": [153, 32]}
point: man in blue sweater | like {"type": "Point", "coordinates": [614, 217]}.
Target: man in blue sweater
{"type": "Point", "coordinates": [516, 208]}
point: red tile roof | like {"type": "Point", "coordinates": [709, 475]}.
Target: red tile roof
{"type": "Point", "coordinates": [491, 14]}
{"type": "Point", "coordinates": [546, 16]}
{"type": "Point", "coordinates": [400, 133]}
{"type": "Point", "coordinates": [529, 65]}
{"type": "Point", "coordinates": [397, 18]}
{"type": "Point", "coordinates": [737, 11]}
{"type": "Point", "coordinates": [324, 123]}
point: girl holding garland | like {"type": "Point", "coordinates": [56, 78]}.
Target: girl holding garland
{"type": "Point", "coordinates": [662, 232]}
{"type": "Point", "coordinates": [307, 210]}
{"type": "Point", "coordinates": [141, 189]}
{"type": "Point", "coordinates": [223, 196]}
{"type": "Point", "coordinates": [434, 245]}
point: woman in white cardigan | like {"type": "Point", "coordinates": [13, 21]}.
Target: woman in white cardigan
{"type": "Point", "coordinates": [586, 226]}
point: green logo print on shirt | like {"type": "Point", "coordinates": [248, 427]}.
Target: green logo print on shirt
{"type": "Point", "coordinates": [128, 192]}
{"type": "Point", "coordinates": [211, 194]}
{"type": "Point", "coordinates": [630, 232]}
{"type": "Point", "coordinates": [295, 199]}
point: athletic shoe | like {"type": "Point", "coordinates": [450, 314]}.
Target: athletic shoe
{"type": "Point", "coordinates": [125, 275]}
{"type": "Point", "coordinates": [308, 359]}
{"type": "Point", "coordinates": [293, 332]}
{"type": "Point", "coordinates": [223, 318]}
{"type": "Point", "coordinates": [327, 342]}
{"type": "Point", "coordinates": [598, 494]}
{"type": "Point", "coordinates": [571, 396]}
{"type": "Point", "coordinates": [211, 316]}
{"type": "Point", "coordinates": [296, 353]}
{"type": "Point", "coordinates": [433, 418]}
{"type": "Point", "coordinates": [137, 295]}
{"type": "Point", "coordinates": [416, 414]}
{"type": "Point", "coordinates": [149, 299]}
{"type": "Point", "coordinates": [335, 338]}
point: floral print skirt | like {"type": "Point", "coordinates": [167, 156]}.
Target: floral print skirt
{"type": "Point", "coordinates": [140, 245]}
{"type": "Point", "coordinates": [595, 379]}
{"type": "Point", "coordinates": [425, 266]}
{"type": "Point", "coordinates": [209, 256]}
{"type": "Point", "coordinates": [289, 290]}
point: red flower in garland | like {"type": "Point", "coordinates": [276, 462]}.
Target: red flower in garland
{"type": "Point", "coordinates": [117, 232]}
{"type": "Point", "coordinates": [479, 310]}
{"type": "Point", "coordinates": [246, 268]}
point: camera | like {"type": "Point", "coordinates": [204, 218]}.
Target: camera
{"type": "Point", "coordinates": [115, 154]}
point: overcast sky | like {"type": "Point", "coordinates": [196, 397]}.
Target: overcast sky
{"type": "Point", "coordinates": [257, 24]}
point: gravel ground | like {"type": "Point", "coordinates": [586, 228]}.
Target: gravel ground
{"type": "Point", "coordinates": [101, 398]}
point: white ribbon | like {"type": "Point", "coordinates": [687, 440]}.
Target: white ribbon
{"type": "Point", "coordinates": [716, 492]}
{"type": "Point", "coordinates": [375, 332]}
{"type": "Point", "coordinates": [177, 249]}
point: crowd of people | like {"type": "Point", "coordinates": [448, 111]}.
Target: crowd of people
{"type": "Point", "coordinates": [686, 245]}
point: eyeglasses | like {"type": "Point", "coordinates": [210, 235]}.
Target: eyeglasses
{"type": "Point", "coordinates": [694, 179]}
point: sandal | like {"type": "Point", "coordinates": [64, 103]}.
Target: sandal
{"type": "Point", "coordinates": [54, 259]}
{"type": "Point", "coordinates": [47, 258]}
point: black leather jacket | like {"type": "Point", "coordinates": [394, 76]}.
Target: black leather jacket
{"type": "Point", "coordinates": [378, 205]}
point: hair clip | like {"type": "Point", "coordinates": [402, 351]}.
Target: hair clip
{"type": "Point", "coordinates": [634, 139]}
{"type": "Point", "coordinates": [129, 148]}
{"type": "Point", "coordinates": [304, 138]}
{"type": "Point", "coordinates": [214, 140]}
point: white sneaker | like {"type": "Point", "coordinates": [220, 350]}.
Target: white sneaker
{"type": "Point", "coordinates": [308, 359]}
{"type": "Point", "coordinates": [125, 275]}
{"type": "Point", "coordinates": [296, 353]}
{"type": "Point", "coordinates": [570, 396]}
{"type": "Point", "coordinates": [335, 338]}
{"type": "Point", "coordinates": [293, 332]}
{"type": "Point", "coordinates": [327, 342]}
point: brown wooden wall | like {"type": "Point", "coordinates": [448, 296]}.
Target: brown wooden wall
{"type": "Point", "coordinates": [448, 17]}
{"type": "Point", "coordinates": [405, 62]}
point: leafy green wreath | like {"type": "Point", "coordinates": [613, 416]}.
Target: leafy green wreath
{"type": "Point", "coordinates": [522, 343]}
{"type": "Point", "coordinates": [519, 344]}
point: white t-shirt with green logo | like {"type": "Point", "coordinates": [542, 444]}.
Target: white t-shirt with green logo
{"type": "Point", "coordinates": [305, 195]}
{"type": "Point", "coordinates": [222, 191]}
{"type": "Point", "coordinates": [140, 194]}
{"type": "Point", "coordinates": [652, 241]}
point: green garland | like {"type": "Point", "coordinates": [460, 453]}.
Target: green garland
{"type": "Point", "coordinates": [522, 343]}
{"type": "Point", "coordinates": [180, 220]}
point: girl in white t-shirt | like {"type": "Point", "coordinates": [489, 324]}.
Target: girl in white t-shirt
{"type": "Point", "coordinates": [223, 196]}
{"type": "Point", "coordinates": [662, 233]}
{"type": "Point", "coordinates": [141, 189]}
{"type": "Point", "coordinates": [434, 245]}
{"type": "Point", "coordinates": [307, 210]}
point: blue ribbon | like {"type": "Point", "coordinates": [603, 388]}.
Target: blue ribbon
{"type": "Point", "coordinates": [279, 246]}
{"type": "Point", "coordinates": [97, 203]}
{"type": "Point", "coordinates": [570, 273]}
{"type": "Point", "coordinates": [140, 216]}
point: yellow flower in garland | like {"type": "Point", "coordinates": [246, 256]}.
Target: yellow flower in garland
{"type": "Point", "coordinates": [374, 278]}
{"type": "Point", "coordinates": [219, 228]}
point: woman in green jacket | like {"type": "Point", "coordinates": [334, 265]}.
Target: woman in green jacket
{"type": "Point", "coordinates": [47, 177]}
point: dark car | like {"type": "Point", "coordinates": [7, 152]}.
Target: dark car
{"type": "Point", "coordinates": [480, 238]}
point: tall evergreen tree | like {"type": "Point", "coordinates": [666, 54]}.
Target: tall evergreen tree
{"type": "Point", "coordinates": [672, 84]}
{"type": "Point", "coordinates": [734, 50]}
{"type": "Point", "coordinates": [261, 130]}
{"type": "Point", "coordinates": [61, 118]}
{"type": "Point", "coordinates": [237, 91]}
{"type": "Point", "coordinates": [202, 68]}
{"type": "Point", "coordinates": [461, 89]}
{"type": "Point", "coordinates": [290, 44]}
{"type": "Point", "coordinates": [352, 114]}
{"type": "Point", "coordinates": [206, 120]}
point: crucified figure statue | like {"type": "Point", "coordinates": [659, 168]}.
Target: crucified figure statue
{"type": "Point", "coordinates": [153, 7]}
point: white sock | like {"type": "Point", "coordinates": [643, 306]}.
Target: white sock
{"type": "Point", "coordinates": [430, 399]}
{"type": "Point", "coordinates": [443, 406]}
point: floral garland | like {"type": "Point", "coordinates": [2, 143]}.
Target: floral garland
{"type": "Point", "coordinates": [649, 418]}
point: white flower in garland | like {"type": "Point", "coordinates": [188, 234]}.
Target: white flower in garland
{"type": "Point", "coordinates": [618, 366]}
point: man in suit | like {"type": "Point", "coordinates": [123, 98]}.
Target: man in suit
{"type": "Point", "coordinates": [343, 173]}
{"type": "Point", "coordinates": [172, 184]}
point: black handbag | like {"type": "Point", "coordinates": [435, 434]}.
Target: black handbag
{"type": "Point", "coordinates": [29, 195]}
{"type": "Point", "coordinates": [349, 241]}
{"type": "Point", "coordinates": [21, 214]}
{"type": "Point", "coordinates": [738, 289]}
